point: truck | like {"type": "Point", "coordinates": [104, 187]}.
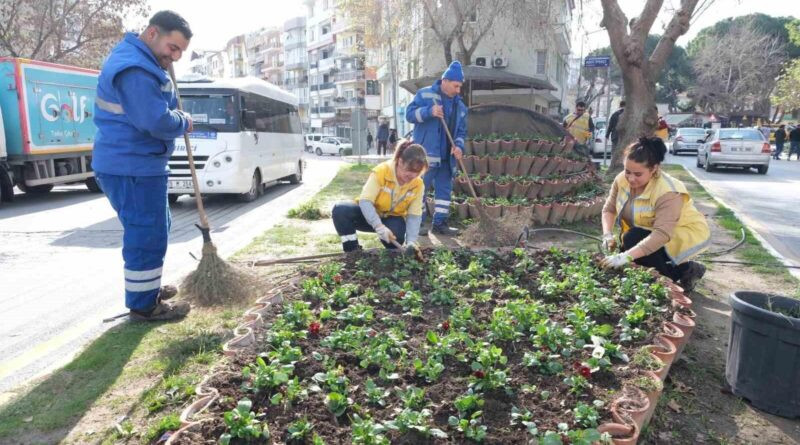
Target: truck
{"type": "Point", "coordinates": [46, 126]}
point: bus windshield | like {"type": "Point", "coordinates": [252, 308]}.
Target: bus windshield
{"type": "Point", "coordinates": [217, 112]}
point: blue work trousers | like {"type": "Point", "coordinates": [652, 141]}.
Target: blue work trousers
{"type": "Point", "coordinates": [142, 208]}
{"type": "Point", "coordinates": [439, 178]}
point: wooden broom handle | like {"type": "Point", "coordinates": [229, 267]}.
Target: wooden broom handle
{"type": "Point", "coordinates": [197, 196]}
{"type": "Point", "coordinates": [460, 162]}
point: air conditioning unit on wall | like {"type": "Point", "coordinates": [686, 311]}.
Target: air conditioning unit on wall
{"type": "Point", "coordinates": [499, 62]}
{"type": "Point", "coordinates": [482, 61]}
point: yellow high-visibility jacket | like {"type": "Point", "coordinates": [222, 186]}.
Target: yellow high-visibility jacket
{"type": "Point", "coordinates": [579, 129]}
{"type": "Point", "coordinates": [690, 237]}
{"type": "Point", "coordinates": [388, 196]}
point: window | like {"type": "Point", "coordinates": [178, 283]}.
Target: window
{"type": "Point", "coordinates": [272, 116]}
{"type": "Point", "coordinates": [541, 62]}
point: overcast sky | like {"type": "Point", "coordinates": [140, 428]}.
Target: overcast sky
{"type": "Point", "coordinates": [213, 23]}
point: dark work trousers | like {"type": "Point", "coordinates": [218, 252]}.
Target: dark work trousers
{"type": "Point", "coordinates": [382, 146]}
{"type": "Point", "coordinates": [658, 260]}
{"type": "Point", "coordinates": [347, 218]}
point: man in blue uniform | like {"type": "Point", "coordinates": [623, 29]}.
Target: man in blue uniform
{"type": "Point", "coordinates": [430, 105]}
{"type": "Point", "coordinates": [137, 122]}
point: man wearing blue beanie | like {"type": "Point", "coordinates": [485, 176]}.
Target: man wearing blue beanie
{"type": "Point", "coordinates": [432, 104]}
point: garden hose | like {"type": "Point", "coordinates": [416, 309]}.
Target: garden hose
{"type": "Point", "coordinates": [527, 231]}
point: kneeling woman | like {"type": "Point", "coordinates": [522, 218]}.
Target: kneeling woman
{"type": "Point", "coordinates": [658, 222]}
{"type": "Point", "coordinates": [390, 203]}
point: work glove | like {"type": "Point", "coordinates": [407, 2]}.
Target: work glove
{"type": "Point", "coordinates": [609, 243]}
{"type": "Point", "coordinates": [616, 261]}
{"type": "Point", "coordinates": [413, 250]}
{"type": "Point", "coordinates": [385, 234]}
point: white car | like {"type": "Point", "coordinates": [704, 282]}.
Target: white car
{"type": "Point", "coordinates": [599, 138]}
{"type": "Point", "coordinates": [332, 146]}
{"type": "Point", "coordinates": [312, 139]}
{"type": "Point", "coordinates": [734, 147]}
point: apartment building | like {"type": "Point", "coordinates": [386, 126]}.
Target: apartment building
{"type": "Point", "coordinates": [295, 64]}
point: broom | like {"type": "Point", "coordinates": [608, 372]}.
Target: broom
{"type": "Point", "coordinates": [214, 281]}
{"type": "Point", "coordinates": [488, 232]}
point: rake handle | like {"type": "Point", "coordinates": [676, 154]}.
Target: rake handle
{"type": "Point", "coordinates": [460, 162]}
{"type": "Point", "coordinates": [204, 226]}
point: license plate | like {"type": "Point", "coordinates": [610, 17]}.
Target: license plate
{"type": "Point", "coordinates": [180, 184]}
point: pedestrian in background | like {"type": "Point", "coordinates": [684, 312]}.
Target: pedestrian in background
{"type": "Point", "coordinates": [662, 128]}
{"type": "Point", "coordinates": [369, 141]}
{"type": "Point", "coordinates": [613, 121]}
{"type": "Point", "coordinates": [383, 137]}
{"type": "Point", "coordinates": [392, 139]}
{"type": "Point", "coordinates": [579, 123]}
{"type": "Point", "coordinates": [794, 141]}
{"type": "Point", "coordinates": [780, 139]}
{"type": "Point", "coordinates": [137, 122]}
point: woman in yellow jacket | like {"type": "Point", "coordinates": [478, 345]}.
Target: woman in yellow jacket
{"type": "Point", "coordinates": [390, 203]}
{"type": "Point", "coordinates": [658, 223]}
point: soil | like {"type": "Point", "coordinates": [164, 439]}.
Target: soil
{"type": "Point", "coordinates": [547, 412]}
{"type": "Point", "coordinates": [695, 407]}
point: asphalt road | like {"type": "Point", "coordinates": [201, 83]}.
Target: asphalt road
{"type": "Point", "coordinates": [768, 203]}
{"type": "Point", "coordinates": [61, 263]}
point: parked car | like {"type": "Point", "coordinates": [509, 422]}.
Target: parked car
{"type": "Point", "coordinates": [734, 147]}
{"type": "Point", "coordinates": [599, 138]}
{"type": "Point", "coordinates": [686, 140]}
{"type": "Point", "coordinates": [312, 140]}
{"type": "Point", "coordinates": [332, 146]}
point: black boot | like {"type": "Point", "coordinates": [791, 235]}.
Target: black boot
{"type": "Point", "coordinates": [444, 229]}
{"type": "Point", "coordinates": [694, 272]}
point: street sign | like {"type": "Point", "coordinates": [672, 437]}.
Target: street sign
{"type": "Point", "coordinates": [597, 62]}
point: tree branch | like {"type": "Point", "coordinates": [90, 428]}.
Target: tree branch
{"type": "Point", "coordinates": [615, 23]}
{"type": "Point", "coordinates": [677, 27]}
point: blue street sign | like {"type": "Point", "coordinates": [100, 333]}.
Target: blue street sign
{"type": "Point", "coordinates": [597, 62]}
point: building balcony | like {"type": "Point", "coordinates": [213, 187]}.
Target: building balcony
{"type": "Point", "coordinates": [323, 110]}
{"type": "Point", "coordinates": [296, 44]}
{"type": "Point", "coordinates": [295, 83]}
{"type": "Point", "coordinates": [277, 67]}
{"type": "Point", "coordinates": [349, 76]}
{"type": "Point", "coordinates": [562, 38]}
{"type": "Point", "coordinates": [323, 86]}
{"type": "Point", "coordinates": [275, 47]}
{"type": "Point", "coordinates": [300, 65]}
{"type": "Point", "coordinates": [344, 25]}
{"type": "Point", "coordinates": [343, 102]}
{"type": "Point", "coordinates": [325, 39]}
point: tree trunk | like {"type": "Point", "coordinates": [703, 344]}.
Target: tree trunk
{"type": "Point", "coordinates": [448, 51]}
{"type": "Point", "coordinates": [639, 118]}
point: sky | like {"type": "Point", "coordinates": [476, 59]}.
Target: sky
{"type": "Point", "coordinates": [214, 23]}
{"type": "Point", "coordinates": [589, 21]}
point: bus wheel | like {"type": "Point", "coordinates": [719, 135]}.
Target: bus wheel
{"type": "Point", "coordinates": [297, 178]}
{"type": "Point", "coordinates": [92, 185]}
{"type": "Point", "coordinates": [255, 189]}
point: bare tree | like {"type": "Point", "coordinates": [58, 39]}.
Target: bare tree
{"type": "Point", "coordinates": [640, 71]}
{"type": "Point", "coordinates": [76, 32]}
{"type": "Point", "coordinates": [737, 72]}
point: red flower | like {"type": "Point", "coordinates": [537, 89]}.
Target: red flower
{"type": "Point", "coordinates": [445, 325]}
{"type": "Point", "coordinates": [371, 333]}
{"type": "Point", "coordinates": [337, 278]}
{"type": "Point", "coordinates": [585, 372]}
{"type": "Point", "coordinates": [577, 366]}
{"type": "Point", "coordinates": [313, 328]}
{"type": "Point", "coordinates": [401, 294]}
{"type": "Point", "coordinates": [479, 374]}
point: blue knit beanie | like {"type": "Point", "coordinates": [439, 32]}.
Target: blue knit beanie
{"type": "Point", "coordinates": [454, 72]}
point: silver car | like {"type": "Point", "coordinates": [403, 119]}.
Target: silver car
{"type": "Point", "coordinates": [734, 147]}
{"type": "Point", "coordinates": [686, 140]}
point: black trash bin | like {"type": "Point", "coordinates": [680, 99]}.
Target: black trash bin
{"type": "Point", "coordinates": [764, 352]}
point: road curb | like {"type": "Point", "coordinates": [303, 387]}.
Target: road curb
{"type": "Point", "coordinates": [750, 224]}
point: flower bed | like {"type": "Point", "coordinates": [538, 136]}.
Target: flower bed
{"type": "Point", "coordinates": [498, 348]}
{"type": "Point", "coordinates": [536, 177]}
